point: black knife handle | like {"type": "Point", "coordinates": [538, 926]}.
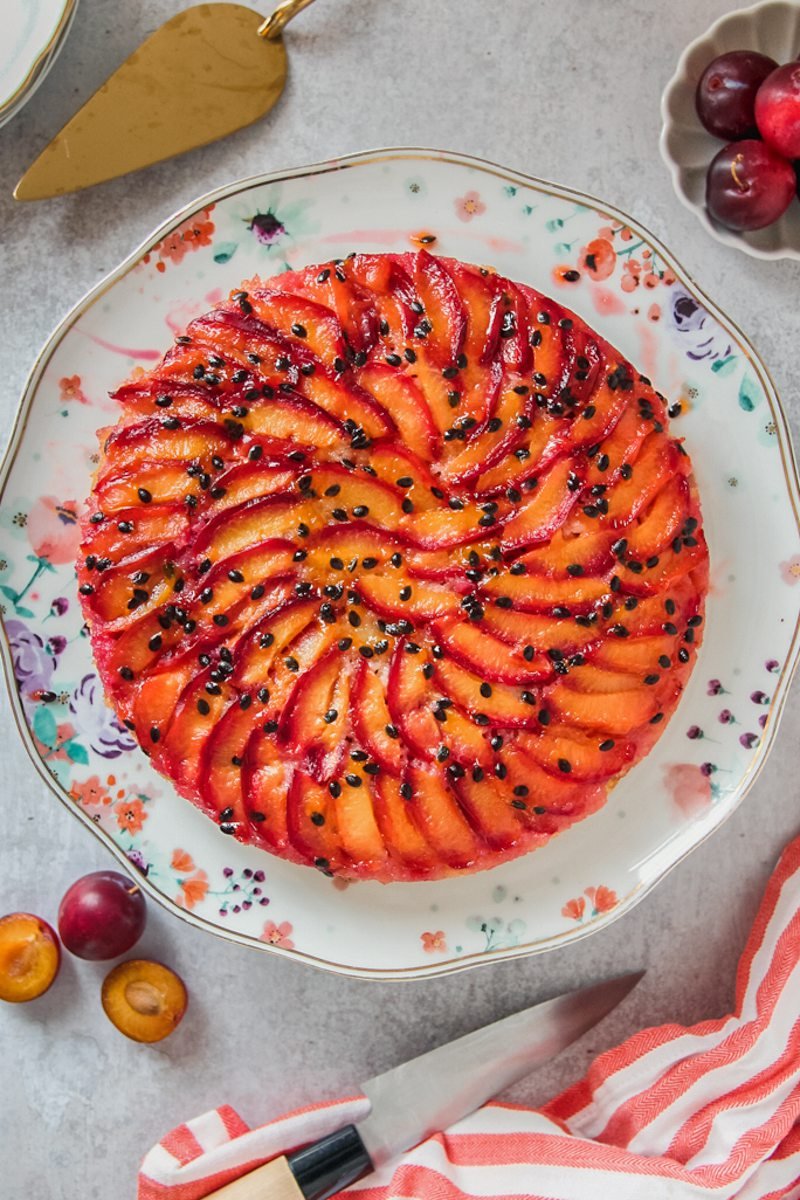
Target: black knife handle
{"type": "Point", "coordinates": [331, 1164]}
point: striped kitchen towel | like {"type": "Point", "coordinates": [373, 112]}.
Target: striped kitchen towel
{"type": "Point", "coordinates": [671, 1114]}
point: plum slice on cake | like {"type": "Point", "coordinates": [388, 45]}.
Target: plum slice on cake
{"type": "Point", "coordinates": [393, 566]}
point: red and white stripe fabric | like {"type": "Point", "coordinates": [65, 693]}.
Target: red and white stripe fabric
{"type": "Point", "coordinates": [671, 1114]}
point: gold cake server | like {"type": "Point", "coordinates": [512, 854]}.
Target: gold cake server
{"type": "Point", "coordinates": [205, 73]}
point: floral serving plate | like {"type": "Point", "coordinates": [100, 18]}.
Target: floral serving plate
{"type": "Point", "coordinates": [625, 283]}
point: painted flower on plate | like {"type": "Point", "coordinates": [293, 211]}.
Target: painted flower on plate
{"type": "Point", "coordinates": [598, 259]}
{"type": "Point", "coordinates": [139, 861]}
{"type": "Point", "coordinates": [69, 388]}
{"type": "Point", "coordinates": [278, 935]}
{"type": "Point", "coordinates": [702, 337]}
{"type": "Point", "coordinates": [434, 943]}
{"type": "Point", "coordinates": [574, 909]}
{"type": "Point", "coordinates": [264, 221]}
{"type": "Point", "coordinates": [469, 205]}
{"type": "Point", "coordinates": [96, 722]}
{"type": "Point", "coordinates": [33, 661]}
{"type": "Point", "coordinates": [266, 228]}
{"type": "Point", "coordinates": [790, 570]}
{"type": "Point", "coordinates": [130, 815]}
{"type": "Point", "coordinates": [193, 889]}
{"type": "Point", "coordinates": [190, 235]}
{"type": "Point", "coordinates": [91, 793]}
{"type": "Point", "coordinates": [688, 786]}
{"type": "Point", "coordinates": [181, 860]}
{"type": "Point", "coordinates": [53, 529]}
{"type": "Point", "coordinates": [602, 899]}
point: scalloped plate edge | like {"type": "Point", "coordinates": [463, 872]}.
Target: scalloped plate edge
{"type": "Point", "coordinates": [788, 462]}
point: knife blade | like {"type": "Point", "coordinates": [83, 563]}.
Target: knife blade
{"type": "Point", "coordinates": [431, 1092]}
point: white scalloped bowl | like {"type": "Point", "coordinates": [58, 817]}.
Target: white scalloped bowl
{"type": "Point", "coordinates": [771, 28]}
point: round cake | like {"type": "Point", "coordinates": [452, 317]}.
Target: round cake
{"type": "Point", "coordinates": [393, 566]}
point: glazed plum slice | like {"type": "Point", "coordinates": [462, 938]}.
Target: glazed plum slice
{"type": "Point", "coordinates": [474, 648]}
{"type": "Point", "coordinates": [401, 829]}
{"type": "Point", "coordinates": [393, 566]}
{"type": "Point", "coordinates": [563, 751]}
{"type": "Point", "coordinates": [314, 723]}
{"type": "Point", "coordinates": [373, 723]}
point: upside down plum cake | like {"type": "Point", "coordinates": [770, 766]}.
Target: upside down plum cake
{"type": "Point", "coordinates": [393, 566]}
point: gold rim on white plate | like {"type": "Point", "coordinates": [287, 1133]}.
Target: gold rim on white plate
{"type": "Point", "coordinates": [40, 65]}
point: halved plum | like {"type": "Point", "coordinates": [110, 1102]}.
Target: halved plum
{"type": "Point", "coordinates": [30, 956]}
{"type": "Point", "coordinates": [144, 1000]}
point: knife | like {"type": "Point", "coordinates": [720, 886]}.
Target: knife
{"type": "Point", "coordinates": [430, 1093]}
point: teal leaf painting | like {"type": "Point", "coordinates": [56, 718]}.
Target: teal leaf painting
{"type": "Point", "coordinates": [748, 393]}
{"type": "Point", "coordinates": [45, 728]}
{"type": "Point", "coordinates": [225, 252]}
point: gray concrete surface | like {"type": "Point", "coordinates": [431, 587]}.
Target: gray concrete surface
{"type": "Point", "coordinates": [566, 89]}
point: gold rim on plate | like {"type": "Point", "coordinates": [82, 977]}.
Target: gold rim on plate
{"type": "Point", "coordinates": [35, 74]}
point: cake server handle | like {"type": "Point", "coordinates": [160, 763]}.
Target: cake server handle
{"type": "Point", "coordinates": [275, 24]}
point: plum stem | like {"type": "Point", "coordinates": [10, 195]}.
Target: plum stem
{"type": "Point", "coordinates": [737, 162]}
